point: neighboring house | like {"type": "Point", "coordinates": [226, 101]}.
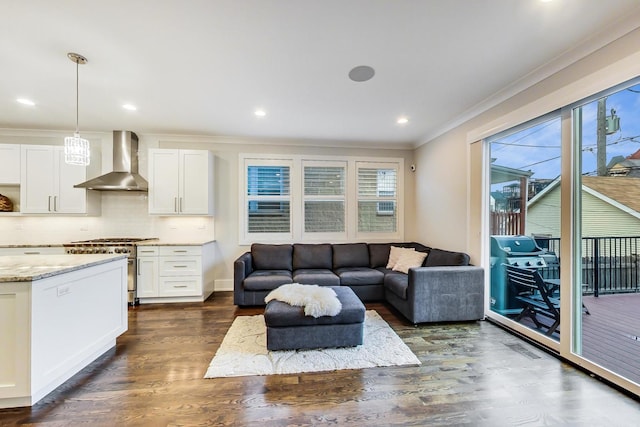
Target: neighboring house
{"type": "Point", "coordinates": [625, 166]}
{"type": "Point", "coordinates": [610, 206]}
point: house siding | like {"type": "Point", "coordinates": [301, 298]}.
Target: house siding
{"type": "Point", "coordinates": [599, 219]}
{"type": "Point", "coordinates": [543, 217]}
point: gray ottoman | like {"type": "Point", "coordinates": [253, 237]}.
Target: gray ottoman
{"type": "Point", "coordinates": [289, 329]}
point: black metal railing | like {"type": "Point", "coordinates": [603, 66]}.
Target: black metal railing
{"type": "Point", "coordinates": [609, 264]}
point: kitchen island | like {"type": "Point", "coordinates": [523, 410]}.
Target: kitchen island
{"type": "Point", "coordinates": [58, 313]}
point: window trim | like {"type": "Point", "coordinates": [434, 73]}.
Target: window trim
{"type": "Point", "coordinates": [297, 198]}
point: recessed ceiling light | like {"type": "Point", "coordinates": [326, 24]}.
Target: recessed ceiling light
{"type": "Point", "coordinates": [402, 121]}
{"type": "Point", "coordinates": [130, 107]}
{"type": "Point", "coordinates": [260, 113]}
{"type": "Point", "coordinates": [361, 73]}
{"type": "Point", "coordinates": [25, 101]}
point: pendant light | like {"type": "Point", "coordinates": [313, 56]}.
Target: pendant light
{"type": "Point", "coordinates": [76, 149]}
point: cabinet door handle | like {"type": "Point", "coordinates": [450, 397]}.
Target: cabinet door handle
{"type": "Point", "coordinates": [55, 203]}
{"type": "Point", "coordinates": [175, 204]}
{"type": "Point", "coordinates": [49, 204]}
{"type": "Point", "coordinates": [180, 204]}
{"type": "Point", "coordinates": [138, 267]}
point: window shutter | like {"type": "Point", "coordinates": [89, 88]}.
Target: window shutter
{"type": "Point", "coordinates": [324, 199]}
{"type": "Point", "coordinates": [377, 199]}
{"type": "Point", "coordinates": [268, 199]}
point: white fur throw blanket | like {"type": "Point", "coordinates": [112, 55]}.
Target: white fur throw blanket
{"type": "Point", "coordinates": [317, 300]}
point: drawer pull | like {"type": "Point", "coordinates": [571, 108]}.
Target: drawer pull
{"type": "Point", "coordinates": [32, 253]}
{"type": "Point", "coordinates": [179, 286]}
{"type": "Point", "coordinates": [180, 266]}
{"type": "Point", "coordinates": [179, 251]}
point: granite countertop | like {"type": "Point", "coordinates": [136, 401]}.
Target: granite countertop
{"type": "Point", "coordinates": [26, 268]}
{"type": "Point", "coordinates": [31, 245]}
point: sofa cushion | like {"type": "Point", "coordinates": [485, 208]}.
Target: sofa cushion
{"type": "Point", "coordinates": [397, 284]}
{"type": "Point", "coordinates": [281, 314]}
{"type": "Point", "coordinates": [378, 254]}
{"type": "Point", "coordinates": [266, 280]}
{"type": "Point", "coordinates": [354, 276]}
{"type": "Point", "coordinates": [439, 257]}
{"type": "Point", "coordinates": [312, 256]}
{"type": "Point", "coordinates": [271, 257]}
{"type": "Point", "coordinates": [417, 246]}
{"type": "Point", "coordinates": [315, 276]}
{"type": "Point", "coordinates": [395, 253]}
{"type": "Point", "coordinates": [350, 255]}
{"type": "Point", "coordinates": [409, 259]}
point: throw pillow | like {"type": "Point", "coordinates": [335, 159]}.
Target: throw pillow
{"type": "Point", "coordinates": [409, 260]}
{"type": "Point", "coordinates": [394, 255]}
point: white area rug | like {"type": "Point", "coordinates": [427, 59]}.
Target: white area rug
{"type": "Point", "coordinates": [244, 351]}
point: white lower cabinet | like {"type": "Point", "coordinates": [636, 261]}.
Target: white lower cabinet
{"type": "Point", "coordinates": [147, 271]}
{"type": "Point", "coordinates": [174, 273]}
{"type": "Point", "coordinates": [32, 250]}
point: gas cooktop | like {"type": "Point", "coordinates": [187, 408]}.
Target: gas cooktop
{"type": "Point", "coordinates": [113, 240]}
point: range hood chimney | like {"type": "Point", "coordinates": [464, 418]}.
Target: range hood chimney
{"type": "Point", "coordinates": [125, 175]}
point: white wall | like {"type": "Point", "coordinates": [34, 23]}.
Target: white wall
{"type": "Point", "coordinates": [449, 215]}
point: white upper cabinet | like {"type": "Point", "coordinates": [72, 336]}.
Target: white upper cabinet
{"type": "Point", "coordinates": [46, 182]}
{"type": "Point", "coordinates": [10, 170]}
{"type": "Point", "coordinates": [180, 182]}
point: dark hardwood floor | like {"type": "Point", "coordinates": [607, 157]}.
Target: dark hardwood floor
{"type": "Point", "coordinates": [472, 374]}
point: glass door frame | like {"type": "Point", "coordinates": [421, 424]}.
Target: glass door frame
{"type": "Point", "coordinates": [569, 346]}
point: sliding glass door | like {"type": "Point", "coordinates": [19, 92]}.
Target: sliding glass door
{"type": "Point", "coordinates": [564, 232]}
{"type": "Point", "coordinates": [608, 238]}
{"type": "Point", "coordinates": [525, 225]}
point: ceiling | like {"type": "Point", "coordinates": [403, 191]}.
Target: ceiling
{"type": "Point", "coordinates": [202, 67]}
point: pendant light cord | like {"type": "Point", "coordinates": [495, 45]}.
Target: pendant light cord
{"type": "Point", "coordinates": [77, 98]}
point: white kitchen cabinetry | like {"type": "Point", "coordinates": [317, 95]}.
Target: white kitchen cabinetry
{"type": "Point", "coordinates": [10, 170]}
{"type": "Point", "coordinates": [46, 182]}
{"type": "Point", "coordinates": [175, 273]}
{"type": "Point", "coordinates": [180, 182]}
{"type": "Point", "coordinates": [32, 250]}
{"type": "Point", "coordinates": [147, 271]}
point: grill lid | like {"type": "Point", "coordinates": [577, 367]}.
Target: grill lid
{"type": "Point", "coordinates": [515, 245]}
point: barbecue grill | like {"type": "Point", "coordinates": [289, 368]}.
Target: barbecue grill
{"type": "Point", "coordinates": [519, 251]}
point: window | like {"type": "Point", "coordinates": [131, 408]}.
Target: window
{"type": "Point", "coordinates": [313, 198]}
{"type": "Point", "coordinates": [324, 197]}
{"type": "Point", "coordinates": [268, 198]}
{"type": "Point", "coordinates": [377, 190]}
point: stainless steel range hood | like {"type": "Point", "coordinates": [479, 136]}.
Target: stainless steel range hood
{"type": "Point", "coordinates": [125, 175]}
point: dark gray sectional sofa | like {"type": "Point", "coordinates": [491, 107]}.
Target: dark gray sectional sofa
{"type": "Point", "coordinates": [444, 288]}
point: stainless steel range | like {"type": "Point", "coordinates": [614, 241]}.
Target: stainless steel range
{"type": "Point", "coordinates": [113, 245]}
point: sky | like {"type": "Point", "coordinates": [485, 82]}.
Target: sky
{"type": "Point", "coordinates": [537, 148]}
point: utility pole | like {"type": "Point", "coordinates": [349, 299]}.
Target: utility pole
{"type": "Point", "coordinates": [601, 152]}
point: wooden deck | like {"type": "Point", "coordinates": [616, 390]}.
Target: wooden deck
{"type": "Point", "coordinates": [610, 335]}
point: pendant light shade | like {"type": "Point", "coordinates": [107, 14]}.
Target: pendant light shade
{"type": "Point", "coordinates": [76, 149]}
